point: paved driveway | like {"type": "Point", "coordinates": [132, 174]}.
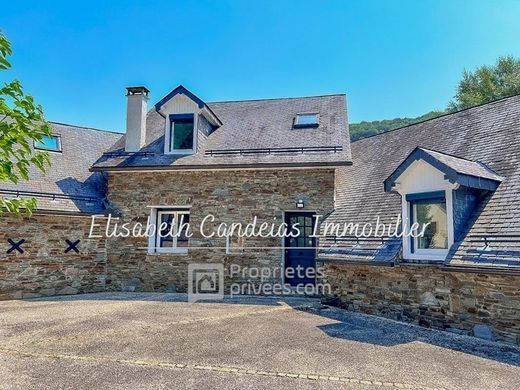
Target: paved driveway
{"type": "Point", "coordinates": [137, 341]}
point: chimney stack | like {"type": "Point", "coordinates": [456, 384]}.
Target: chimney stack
{"type": "Point", "coordinates": [137, 98]}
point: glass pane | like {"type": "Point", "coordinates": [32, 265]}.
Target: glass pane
{"type": "Point", "coordinates": [308, 231]}
{"type": "Point", "coordinates": [294, 221]}
{"type": "Point", "coordinates": [182, 225]}
{"type": "Point", "coordinates": [301, 221]}
{"type": "Point", "coordinates": [48, 143]}
{"type": "Point", "coordinates": [166, 233]}
{"type": "Point", "coordinates": [436, 233]}
{"type": "Point", "coordinates": [183, 134]}
{"type": "Point", "coordinates": [307, 119]}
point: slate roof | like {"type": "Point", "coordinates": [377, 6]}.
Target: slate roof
{"type": "Point", "coordinates": [249, 124]}
{"type": "Point", "coordinates": [489, 133]}
{"type": "Point", "coordinates": [466, 167]}
{"type": "Point", "coordinates": [68, 186]}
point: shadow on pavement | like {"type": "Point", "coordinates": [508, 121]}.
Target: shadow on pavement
{"type": "Point", "coordinates": [346, 325]}
{"type": "Point", "coordinates": [370, 329]}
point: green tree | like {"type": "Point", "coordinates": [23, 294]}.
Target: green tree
{"type": "Point", "coordinates": [487, 83]}
{"type": "Point", "coordinates": [21, 122]}
{"type": "Point", "coordinates": [366, 129]}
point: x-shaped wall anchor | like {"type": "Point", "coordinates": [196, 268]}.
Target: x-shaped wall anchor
{"type": "Point", "coordinates": [15, 245]}
{"type": "Point", "coordinates": [72, 246]}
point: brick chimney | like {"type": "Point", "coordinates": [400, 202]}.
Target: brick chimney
{"type": "Point", "coordinates": [137, 98]}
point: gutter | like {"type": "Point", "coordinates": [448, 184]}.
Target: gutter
{"type": "Point", "coordinates": [219, 167]}
{"type": "Point", "coordinates": [512, 271]}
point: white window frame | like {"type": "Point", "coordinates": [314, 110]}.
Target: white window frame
{"type": "Point", "coordinates": [169, 128]}
{"type": "Point", "coordinates": [431, 253]}
{"type": "Point", "coordinates": [427, 254]}
{"type": "Point", "coordinates": [154, 241]}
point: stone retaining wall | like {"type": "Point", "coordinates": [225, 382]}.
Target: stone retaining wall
{"type": "Point", "coordinates": [482, 304]}
{"type": "Point", "coordinates": [44, 269]}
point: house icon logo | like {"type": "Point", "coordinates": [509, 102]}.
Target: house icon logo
{"type": "Point", "coordinates": [205, 282]}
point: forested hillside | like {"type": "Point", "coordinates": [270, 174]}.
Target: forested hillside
{"type": "Point", "coordinates": [484, 84]}
{"type": "Point", "coordinates": [365, 129]}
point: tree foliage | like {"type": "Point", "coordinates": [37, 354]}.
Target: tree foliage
{"type": "Point", "coordinates": [487, 83]}
{"type": "Point", "coordinates": [366, 129]}
{"type": "Point", "coordinates": [21, 123]}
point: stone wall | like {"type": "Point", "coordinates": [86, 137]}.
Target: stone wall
{"type": "Point", "coordinates": [44, 269]}
{"type": "Point", "coordinates": [482, 304]}
{"type": "Point", "coordinates": [231, 196]}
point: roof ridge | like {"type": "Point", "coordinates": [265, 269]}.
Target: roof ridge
{"type": "Point", "coordinates": [85, 127]}
{"type": "Point", "coordinates": [279, 98]}
{"type": "Point", "coordinates": [440, 116]}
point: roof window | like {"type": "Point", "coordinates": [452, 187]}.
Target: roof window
{"type": "Point", "coordinates": [306, 120]}
{"type": "Point", "coordinates": [51, 143]}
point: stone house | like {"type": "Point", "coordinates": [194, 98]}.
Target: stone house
{"type": "Point", "coordinates": [283, 161]}
{"type": "Point", "coordinates": [181, 161]}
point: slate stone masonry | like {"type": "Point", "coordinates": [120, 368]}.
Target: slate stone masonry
{"type": "Point", "coordinates": [483, 304]}
{"type": "Point", "coordinates": [46, 267]}
{"type": "Point", "coordinates": [231, 196]}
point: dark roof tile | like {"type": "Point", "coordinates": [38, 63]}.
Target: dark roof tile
{"type": "Point", "coordinates": [68, 185]}
{"type": "Point", "coordinates": [250, 124]}
{"type": "Point", "coordinates": [489, 133]}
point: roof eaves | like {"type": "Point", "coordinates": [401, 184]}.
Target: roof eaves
{"type": "Point", "coordinates": [207, 167]}
{"type": "Point", "coordinates": [453, 175]}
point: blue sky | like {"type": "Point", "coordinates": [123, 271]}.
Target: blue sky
{"type": "Point", "coordinates": [391, 58]}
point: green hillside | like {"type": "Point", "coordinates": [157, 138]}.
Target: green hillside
{"type": "Point", "coordinates": [365, 129]}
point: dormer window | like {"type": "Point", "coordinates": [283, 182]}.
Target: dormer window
{"type": "Point", "coordinates": [306, 120]}
{"type": "Point", "coordinates": [439, 193]}
{"type": "Point", "coordinates": [51, 143]}
{"type": "Point", "coordinates": [429, 210]}
{"type": "Point", "coordinates": [182, 133]}
{"type": "Point", "coordinates": [186, 116]}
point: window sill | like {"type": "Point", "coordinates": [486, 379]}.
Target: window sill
{"type": "Point", "coordinates": [419, 262]}
{"type": "Point", "coordinates": [183, 152]}
{"type": "Point", "coordinates": [426, 255]}
{"type": "Point", "coordinates": [172, 252]}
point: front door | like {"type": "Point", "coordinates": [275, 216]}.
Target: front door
{"type": "Point", "coordinates": [300, 251]}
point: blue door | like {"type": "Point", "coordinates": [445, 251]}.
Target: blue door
{"type": "Point", "coordinates": [300, 252]}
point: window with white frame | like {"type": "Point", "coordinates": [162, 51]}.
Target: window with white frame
{"type": "Point", "coordinates": [432, 215]}
{"type": "Point", "coordinates": [429, 210]}
{"type": "Point", "coordinates": [182, 133]}
{"type": "Point", "coordinates": [172, 230]}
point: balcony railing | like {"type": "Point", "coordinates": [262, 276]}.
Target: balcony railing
{"type": "Point", "coordinates": [48, 195]}
{"type": "Point", "coordinates": [270, 151]}
{"type": "Point", "coordinates": [128, 154]}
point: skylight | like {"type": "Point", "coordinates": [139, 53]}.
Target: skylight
{"type": "Point", "coordinates": [52, 143]}
{"type": "Point", "coordinates": [306, 120]}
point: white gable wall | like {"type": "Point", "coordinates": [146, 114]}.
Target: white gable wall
{"type": "Point", "coordinates": [418, 178]}
{"type": "Point", "coordinates": [180, 104]}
